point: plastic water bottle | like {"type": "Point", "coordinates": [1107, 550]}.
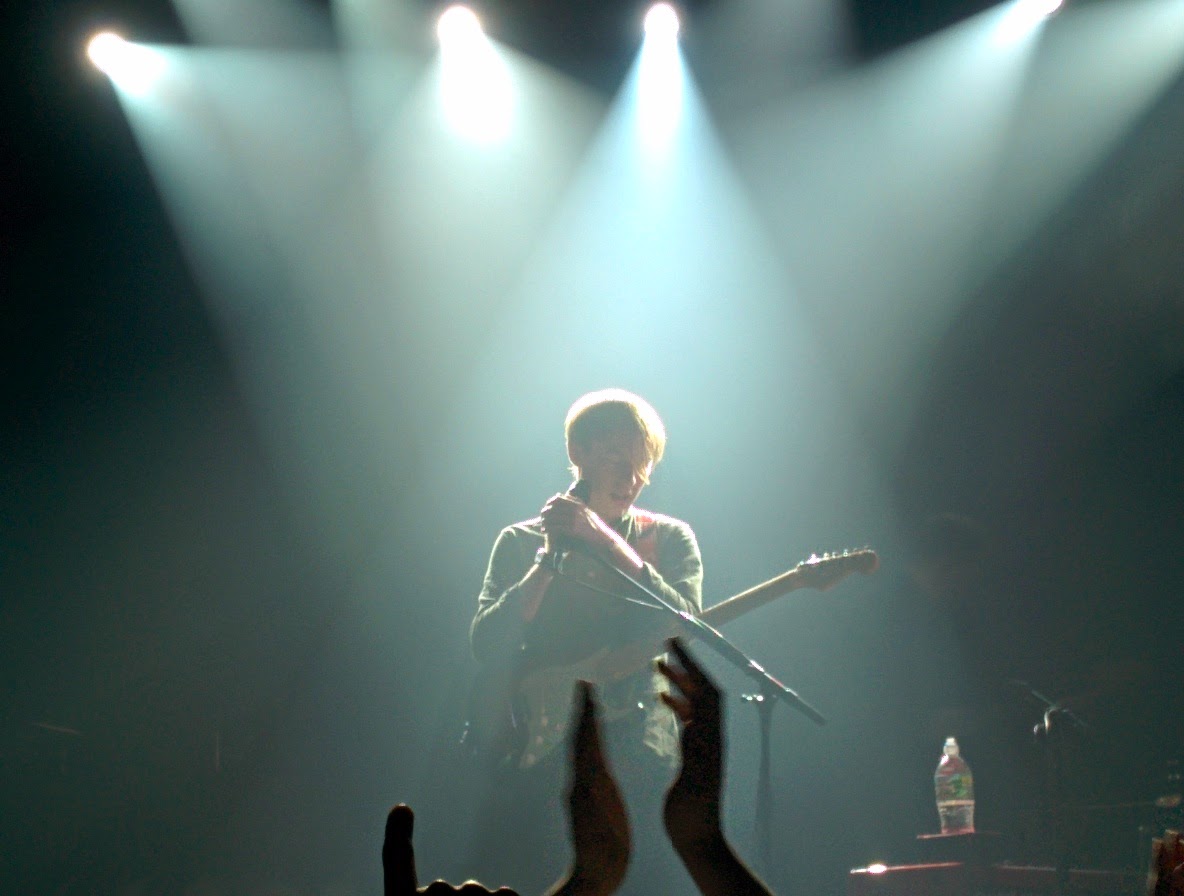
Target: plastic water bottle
{"type": "Point", "coordinates": [954, 786]}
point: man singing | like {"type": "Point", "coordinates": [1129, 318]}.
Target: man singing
{"type": "Point", "coordinates": [554, 596]}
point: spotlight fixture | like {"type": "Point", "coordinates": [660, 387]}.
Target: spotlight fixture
{"type": "Point", "coordinates": [1023, 18]}
{"type": "Point", "coordinates": [458, 25]}
{"type": "Point", "coordinates": [105, 50]}
{"type": "Point", "coordinates": [1042, 9]}
{"type": "Point", "coordinates": [661, 21]}
{"type": "Point", "coordinates": [133, 68]}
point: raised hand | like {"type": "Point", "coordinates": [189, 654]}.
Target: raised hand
{"type": "Point", "coordinates": [398, 863]}
{"type": "Point", "coordinates": [596, 812]}
{"type": "Point", "coordinates": [692, 810]}
{"type": "Point", "coordinates": [1166, 877]}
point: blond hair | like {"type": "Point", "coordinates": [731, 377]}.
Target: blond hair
{"type": "Point", "coordinates": [608, 412]}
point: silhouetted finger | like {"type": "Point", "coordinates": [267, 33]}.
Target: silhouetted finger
{"type": "Point", "coordinates": [398, 853]}
{"type": "Point", "coordinates": [587, 730]}
{"type": "Point", "coordinates": [680, 678]}
{"type": "Point", "coordinates": [680, 706]}
{"type": "Point", "coordinates": [587, 751]}
{"type": "Point", "coordinates": [693, 669]}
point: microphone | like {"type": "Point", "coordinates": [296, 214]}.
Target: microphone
{"type": "Point", "coordinates": [581, 489]}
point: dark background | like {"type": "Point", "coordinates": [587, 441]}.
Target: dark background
{"type": "Point", "coordinates": [201, 688]}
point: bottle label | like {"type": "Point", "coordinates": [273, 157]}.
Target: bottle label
{"type": "Point", "coordinates": [955, 788]}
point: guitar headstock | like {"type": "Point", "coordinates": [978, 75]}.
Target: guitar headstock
{"type": "Point", "coordinates": [827, 570]}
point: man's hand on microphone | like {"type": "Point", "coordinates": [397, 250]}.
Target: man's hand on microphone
{"type": "Point", "coordinates": [567, 518]}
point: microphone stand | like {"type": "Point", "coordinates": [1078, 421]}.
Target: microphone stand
{"type": "Point", "coordinates": [762, 826]}
{"type": "Point", "coordinates": [1050, 733]}
{"type": "Point", "coordinates": [770, 690]}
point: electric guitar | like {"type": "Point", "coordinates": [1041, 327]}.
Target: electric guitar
{"type": "Point", "coordinates": [523, 713]}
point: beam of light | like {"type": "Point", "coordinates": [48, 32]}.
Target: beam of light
{"type": "Point", "coordinates": [133, 68]}
{"type": "Point", "coordinates": [1098, 69]}
{"type": "Point", "coordinates": [476, 91]}
{"type": "Point", "coordinates": [756, 52]}
{"type": "Point", "coordinates": [660, 79]}
{"type": "Point", "coordinates": [938, 163]}
{"type": "Point", "coordinates": [1023, 18]}
{"type": "Point", "coordinates": [378, 23]}
{"type": "Point", "coordinates": [894, 164]}
{"type": "Point", "coordinates": [261, 23]}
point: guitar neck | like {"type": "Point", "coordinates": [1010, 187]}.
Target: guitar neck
{"type": "Point", "coordinates": [632, 657]}
{"type": "Point", "coordinates": [817, 572]}
{"type": "Point", "coordinates": [756, 596]}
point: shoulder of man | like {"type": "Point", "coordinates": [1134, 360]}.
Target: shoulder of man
{"type": "Point", "coordinates": [646, 521]}
{"type": "Point", "coordinates": [531, 528]}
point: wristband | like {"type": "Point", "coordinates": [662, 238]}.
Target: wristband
{"type": "Point", "coordinates": [547, 559]}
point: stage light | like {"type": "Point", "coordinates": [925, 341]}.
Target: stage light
{"type": "Point", "coordinates": [105, 49]}
{"type": "Point", "coordinates": [131, 67]}
{"type": "Point", "coordinates": [661, 22]}
{"type": "Point", "coordinates": [1024, 17]}
{"type": "Point", "coordinates": [476, 91]}
{"type": "Point", "coordinates": [458, 26]}
{"type": "Point", "coordinates": [1042, 9]}
{"type": "Point", "coordinates": [660, 81]}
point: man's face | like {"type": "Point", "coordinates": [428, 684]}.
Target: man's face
{"type": "Point", "coordinates": [616, 471]}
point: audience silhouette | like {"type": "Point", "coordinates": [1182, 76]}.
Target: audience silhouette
{"type": "Point", "coordinates": [1166, 875]}
{"type": "Point", "coordinates": [597, 822]}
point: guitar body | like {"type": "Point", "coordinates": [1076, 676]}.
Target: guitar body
{"type": "Point", "coordinates": [495, 726]}
{"type": "Point", "coordinates": [522, 711]}
{"type": "Point", "coordinates": [515, 701]}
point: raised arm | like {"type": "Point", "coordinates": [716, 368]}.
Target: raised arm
{"type": "Point", "coordinates": [599, 827]}
{"type": "Point", "coordinates": [692, 810]}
